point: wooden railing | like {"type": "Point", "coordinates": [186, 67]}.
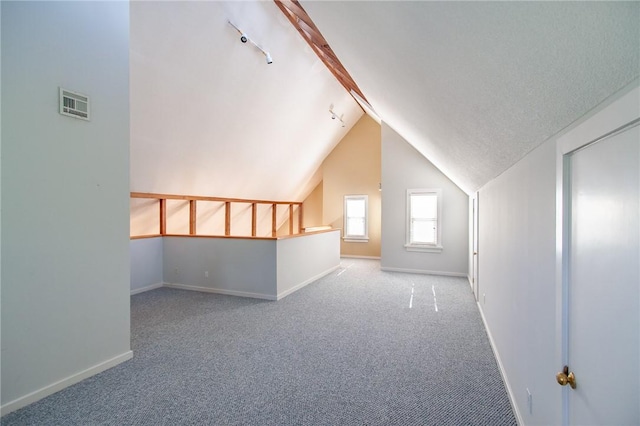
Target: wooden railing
{"type": "Point", "coordinates": [162, 210]}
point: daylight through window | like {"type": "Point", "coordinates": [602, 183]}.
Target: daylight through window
{"type": "Point", "coordinates": [355, 218]}
{"type": "Point", "coordinates": [423, 220]}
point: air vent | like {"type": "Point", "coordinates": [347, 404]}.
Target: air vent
{"type": "Point", "coordinates": [74, 104]}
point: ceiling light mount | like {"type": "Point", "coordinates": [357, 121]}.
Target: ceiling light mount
{"type": "Point", "coordinates": [245, 38]}
{"type": "Point", "coordinates": [335, 116]}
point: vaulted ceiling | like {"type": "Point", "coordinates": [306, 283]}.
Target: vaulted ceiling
{"type": "Point", "coordinates": [302, 22]}
{"type": "Point", "coordinates": [473, 86]}
{"type": "Point", "coordinates": [209, 116]}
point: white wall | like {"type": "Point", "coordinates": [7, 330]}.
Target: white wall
{"type": "Point", "coordinates": [517, 291]}
{"type": "Point", "coordinates": [260, 268]}
{"type": "Point", "coordinates": [404, 168]}
{"type": "Point", "coordinates": [302, 260]}
{"type": "Point", "coordinates": [241, 267]}
{"type": "Point", "coordinates": [520, 267]}
{"type": "Point", "coordinates": [146, 264]}
{"type": "Point", "coordinates": [65, 184]}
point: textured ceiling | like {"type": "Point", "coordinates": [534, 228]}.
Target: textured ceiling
{"type": "Point", "coordinates": [210, 117]}
{"type": "Point", "coordinates": [475, 86]}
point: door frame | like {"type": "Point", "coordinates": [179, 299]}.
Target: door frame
{"type": "Point", "coordinates": [621, 111]}
{"type": "Point", "coordinates": [475, 265]}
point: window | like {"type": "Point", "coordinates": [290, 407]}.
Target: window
{"type": "Point", "coordinates": [355, 218]}
{"type": "Point", "coordinates": [424, 209]}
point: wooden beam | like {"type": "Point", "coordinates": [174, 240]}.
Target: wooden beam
{"type": "Point", "coordinates": [150, 195]}
{"type": "Point", "coordinates": [140, 237]}
{"type": "Point", "coordinates": [296, 10]}
{"type": "Point", "coordinates": [274, 213]}
{"type": "Point", "coordinates": [192, 217]}
{"type": "Point", "coordinates": [301, 21]}
{"type": "Point", "coordinates": [331, 58]}
{"type": "Point", "coordinates": [229, 237]}
{"type": "Point", "coordinates": [227, 218]}
{"type": "Point", "coordinates": [163, 216]}
{"type": "Point", "coordinates": [254, 219]}
{"type": "Point", "coordinates": [313, 32]}
{"type": "Point", "coordinates": [336, 69]}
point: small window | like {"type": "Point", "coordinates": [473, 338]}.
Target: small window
{"type": "Point", "coordinates": [355, 218]}
{"type": "Point", "coordinates": [423, 220]}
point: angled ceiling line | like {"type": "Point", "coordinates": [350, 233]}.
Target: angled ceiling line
{"type": "Point", "coordinates": [301, 21]}
{"type": "Point", "coordinates": [296, 10]}
{"type": "Point", "coordinates": [341, 75]}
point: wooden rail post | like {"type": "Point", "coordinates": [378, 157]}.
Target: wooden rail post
{"type": "Point", "coordinates": [274, 213]}
{"type": "Point", "coordinates": [300, 217]}
{"type": "Point", "coordinates": [227, 218]}
{"type": "Point", "coordinates": [193, 199]}
{"type": "Point", "coordinates": [254, 218]}
{"type": "Point", "coordinates": [290, 219]}
{"type": "Point", "coordinates": [192, 217]}
{"type": "Point", "coordinates": [163, 216]}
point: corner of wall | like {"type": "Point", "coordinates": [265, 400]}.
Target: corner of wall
{"type": "Point", "coordinates": [354, 168]}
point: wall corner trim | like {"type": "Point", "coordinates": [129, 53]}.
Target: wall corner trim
{"type": "Point", "coordinates": [64, 383]}
{"type": "Point", "coordinates": [219, 291]}
{"type": "Point", "coordinates": [354, 256]}
{"type": "Point", "coordinates": [147, 288]}
{"type": "Point", "coordinates": [306, 282]}
{"type": "Point", "coordinates": [422, 271]}
{"type": "Point", "coordinates": [503, 373]}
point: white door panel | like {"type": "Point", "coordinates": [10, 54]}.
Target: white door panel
{"type": "Point", "coordinates": [474, 272]}
{"type": "Point", "coordinates": [604, 281]}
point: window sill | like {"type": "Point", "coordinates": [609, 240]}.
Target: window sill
{"type": "Point", "coordinates": [423, 248]}
{"type": "Point", "coordinates": [355, 240]}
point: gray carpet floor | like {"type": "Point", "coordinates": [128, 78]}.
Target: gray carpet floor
{"type": "Point", "coordinates": [357, 347]}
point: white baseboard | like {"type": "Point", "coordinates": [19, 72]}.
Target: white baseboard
{"type": "Point", "coordinates": [220, 291]}
{"type": "Point", "coordinates": [306, 282]}
{"type": "Point", "coordinates": [512, 398]}
{"type": "Point", "coordinates": [422, 271]}
{"type": "Point", "coordinates": [147, 288]}
{"type": "Point", "coordinates": [245, 293]}
{"type": "Point", "coordinates": [352, 256]}
{"type": "Point", "coordinates": [64, 383]}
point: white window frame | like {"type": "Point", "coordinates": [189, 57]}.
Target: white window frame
{"type": "Point", "coordinates": [429, 248]}
{"type": "Point", "coordinates": [356, 238]}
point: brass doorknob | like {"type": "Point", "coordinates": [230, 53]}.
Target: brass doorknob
{"type": "Point", "coordinates": [565, 377]}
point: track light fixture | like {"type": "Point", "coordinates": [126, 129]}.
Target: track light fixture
{"type": "Point", "coordinates": [245, 38]}
{"type": "Point", "coordinates": [335, 116]}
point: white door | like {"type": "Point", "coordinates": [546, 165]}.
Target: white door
{"type": "Point", "coordinates": [474, 272]}
{"type": "Point", "coordinates": [603, 281]}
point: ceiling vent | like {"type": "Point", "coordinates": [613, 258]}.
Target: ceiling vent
{"type": "Point", "coordinates": [74, 104]}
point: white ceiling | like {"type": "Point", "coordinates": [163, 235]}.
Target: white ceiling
{"type": "Point", "coordinates": [210, 117]}
{"type": "Point", "coordinates": [475, 86]}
